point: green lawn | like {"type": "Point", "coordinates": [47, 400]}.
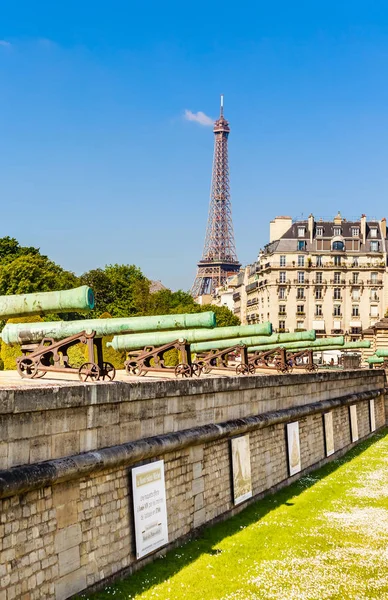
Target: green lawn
{"type": "Point", "coordinates": [323, 537]}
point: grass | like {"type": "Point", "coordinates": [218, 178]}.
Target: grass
{"type": "Point", "coordinates": [324, 537]}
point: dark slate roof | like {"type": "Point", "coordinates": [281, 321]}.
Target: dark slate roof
{"type": "Point", "coordinates": [328, 229]}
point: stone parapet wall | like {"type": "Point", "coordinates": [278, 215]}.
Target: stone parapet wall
{"type": "Point", "coordinates": [42, 423]}
{"type": "Point", "coordinates": [75, 529]}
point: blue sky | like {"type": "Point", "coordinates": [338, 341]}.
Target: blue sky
{"type": "Point", "coordinates": [99, 165]}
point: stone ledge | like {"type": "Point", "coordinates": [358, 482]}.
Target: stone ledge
{"type": "Point", "coordinates": [72, 394]}
{"type": "Point", "coordinates": [22, 479]}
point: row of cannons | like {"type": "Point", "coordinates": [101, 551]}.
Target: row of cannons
{"type": "Point", "coordinates": [200, 345]}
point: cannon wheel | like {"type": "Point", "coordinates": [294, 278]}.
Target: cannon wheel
{"type": "Point", "coordinates": [196, 369]}
{"type": "Point", "coordinates": [108, 371]}
{"type": "Point", "coordinates": [27, 368]}
{"type": "Point", "coordinates": [205, 367]}
{"type": "Point", "coordinates": [251, 368]}
{"type": "Point", "coordinates": [183, 370]}
{"type": "Point", "coordinates": [242, 370]}
{"type": "Point", "coordinates": [89, 370]}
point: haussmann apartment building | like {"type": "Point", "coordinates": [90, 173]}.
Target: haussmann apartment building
{"type": "Point", "coordinates": [327, 275]}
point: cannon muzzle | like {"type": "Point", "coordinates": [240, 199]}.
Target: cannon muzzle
{"type": "Point", "coordinates": [21, 305]}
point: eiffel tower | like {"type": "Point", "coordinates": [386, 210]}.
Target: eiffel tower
{"type": "Point", "coordinates": [219, 257]}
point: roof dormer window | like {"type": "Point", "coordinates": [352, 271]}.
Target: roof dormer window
{"type": "Point", "coordinates": [337, 230]}
{"type": "Point", "coordinates": [301, 231]}
{"type": "Point", "coordinates": [319, 231]}
{"type": "Point", "coordinates": [355, 231]}
{"type": "Point", "coordinates": [373, 232]}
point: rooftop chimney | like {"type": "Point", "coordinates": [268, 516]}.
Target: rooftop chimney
{"type": "Point", "coordinates": [311, 227]}
{"type": "Point", "coordinates": [363, 228]}
{"type": "Point", "coordinates": [383, 228]}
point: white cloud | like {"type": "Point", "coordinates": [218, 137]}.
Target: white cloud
{"type": "Point", "coordinates": [5, 44]}
{"type": "Point", "coordinates": [199, 117]}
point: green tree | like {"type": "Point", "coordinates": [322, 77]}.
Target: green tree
{"type": "Point", "coordinates": [34, 273]}
{"type": "Point", "coordinates": [115, 289]}
{"type": "Point", "coordinates": [11, 249]}
{"type": "Point", "coordinates": [224, 316]}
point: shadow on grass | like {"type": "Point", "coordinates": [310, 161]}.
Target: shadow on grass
{"type": "Point", "coordinates": [210, 536]}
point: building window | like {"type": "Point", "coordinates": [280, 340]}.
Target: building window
{"type": "Point", "coordinates": [374, 311]}
{"type": "Point", "coordinates": [318, 261]}
{"type": "Point", "coordinates": [300, 260]}
{"type": "Point", "coordinates": [356, 294]}
{"type": "Point", "coordinates": [337, 261]}
{"type": "Point", "coordinates": [282, 277]}
{"type": "Point", "coordinates": [373, 296]}
{"type": "Point", "coordinates": [282, 294]}
{"type": "Point", "coordinates": [300, 293]}
{"type": "Point", "coordinates": [355, 261]}
{"type": "Point", "coordinates": [300, 309]}
{"type": "Point", "coordinates": [319, 231]}
{"type": "Point", "coordinates": [301, 231]}
{"type": "Point", "coordinates": [300, 324]}
{"type": "Point", "coordinates": [338, 246]}
{"type": "Point", "coordinates": [282, 260]}
{"type": "Point", "coordinates": [282, 325]}
{"type": "Point", "coordinates": [355, 231]}
{"type": "Point", "coordinates": [373, 232]}
{"type": "Point", "coordinates": [337, 294]}
{"type": "Point", "coordinates": [319, 278]}
{"type": "Point", "coordinates": [318, 310]}
{"type": "Point", "coordinates": [374, 246]}
{"type": "Point", "coordinates": [355, 278]}
{"type": "Point", "coordinates": [301, 245]}
{"type": "Point", "coordinates": [318, 293]}
{"type": "Point", "coordinates": [300, 276]}
{"type": "Point", "coordinates": [337, 310]}
{"type": "Point", "coordinates": [282, 309]}
{"type": "Point", "coordinates": [337, 277]}
{"type": "Point", "coordinates": [337, 230]}
{"type": "Point", "coordinates": [373, 277]}
{"type": "Point", "coordinates": [355, 310]}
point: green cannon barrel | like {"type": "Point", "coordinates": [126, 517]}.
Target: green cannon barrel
{"type": "Point", "coordinates": [375, 360]}
{"type": "Point", "coordinates": [277, 338]}
{"type": "Point", "coordinates": [322, 343]}
{"type": "Point", "coordinates": [16, 333]}
{"type": "Point", "coordinates": [381, 352]}
{"type": "Point", "coordinates": [20, 305]}
{"type": "Point", "coordinates": [156, 338]}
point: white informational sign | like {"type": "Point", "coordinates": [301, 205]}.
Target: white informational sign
{"type": "Point", "coordinates": [149, 505]}
{"type": "Point", "coordinates": [241, 469]}
{"type": "Point", "coordinates": [329, 435]}
{"type": "Point", "coordinates": [293, 445]}
{"type": "Point", "coordinates": [353, 422]}
{"type": "Point", "coordinates": [372, 415]}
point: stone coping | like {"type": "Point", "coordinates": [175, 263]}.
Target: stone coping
{"type": "Point", "coordinates": [71, 394]}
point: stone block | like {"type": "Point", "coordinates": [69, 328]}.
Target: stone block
{"type": "Point", "coordinates": [69, 561]}
{"type": "Point", "coordinates": [18, 453]}
{"type": "Point", "coordinates": [70, 584]}
{"type": "Point", "coordinates": [39, 449]}
{"type": "Point", "coordinates": [65, 444]}
{"type": "Point", "coordinates": [67, 514]}
{"type": "Point", "coordinates": [198, 486]}
{"type": "Point", "coordinates": [67, 537]}
{"type": "Point", "coordinates": [88, 440]}
{"type": "Point", "coordinates": [197, 469]}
